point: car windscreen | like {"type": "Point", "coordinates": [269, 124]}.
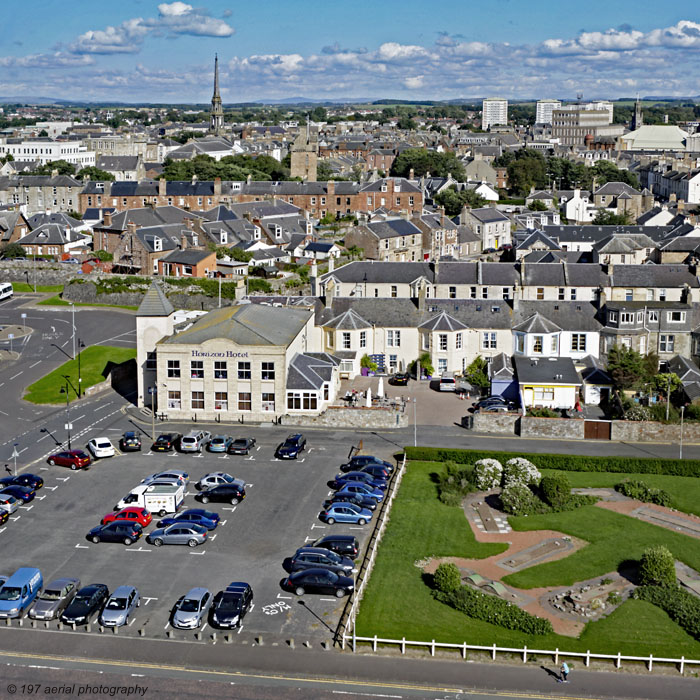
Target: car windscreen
{"type": "Point", "coordinates": [116, 604]}
{"type": "Point", "coordinates": [189, 605]}
{"type": "Point", "coordinates": [230, 601]}
{"type": "Point", "coordinates": [10, 593]}
{"type": "Point", "coordinates": [50, 594]}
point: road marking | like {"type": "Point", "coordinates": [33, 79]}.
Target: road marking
{"type": "Point", "coordinates": [16, 517]}
{"type": "Point", "coordinates": [321, 527]}
{"type": "Point", "coordinates": [257, 449]}
{"type": "Point", "coordinates": [27, 507]}
{"type": "Point", "coordinates": [148, 599]}
{"type": "Point", "coordinates": [82, 546]}
{"type": "Point", "coordinates": [285, 597]}
{"type": "Point", "coordinates": [231, 509]}
{"type": "Point", "coordinates": [43, 469]}
{"type": "Point", "coordinates": [16, 375]}
{"type": "Point", "coordinates": [138, 549]}
{"type": "Point", "coordinates": [43, 437]}
{"type": "Point", "coordinates": [240, 627]}
{"type": "Point", "coordinates": [250, 459]}
{"type": "Point", "coordinates": [309, 539]}
{"type": "Point", "coordinates": [135, 674]}
{"type": "Point", "coordinates": [23, 449]}
{"type": "Point", "coordinates": [105, 406]}
{"type": "Point", "coordinates": [301, 460]}
{"type": "Point", "coordinates": [80, 417]}
{"type": "Point", "coordinates": [332, 600]}
{"type": "Point", "coordinates": [2, 529]}
{"type": "Point", "coordinates": [205, 626]}
{"type": "Point", "coordinates": [51, 488]}
{"type": "Point", "coordinates": [356, 528]}
{"type": "Point", "coordinates": [41, 498]}
{"type": "Point", "coordinates": [62, 478]}
{"type": "Point", "coordinates": [224, 457]}
{"type": "Point", "coordinates": [212, 538]}
{"type": "Point", "coordinates": [167, 624]}
{"type": "Point", "coordinates": [38, 362]}
{"type": "Point", "coordinates": [221, 524]}
{"type": "Point", "coordinates": [200, 553]}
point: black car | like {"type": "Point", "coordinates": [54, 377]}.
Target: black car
{"type": "Point", "coordinates": [241, 446]}
{"type": "Point", "coordinates": [400, 379]}
{"type": "Point", "coordinates": [88, 601]}
{"type": "Point", "coordinates": [31, 481]}
{"type": "Point", "coordinates": [230, 606]}
{"type": "Point", "coordinates": [291, 447]}
{"type": "Point", "coordinates": [319, 581]}
{"type": "Point", "coordinates": [359, 462]}
{"type": "Point", "coordinates": [21, 493]}
{"type": "Point", "coordinates": [319, 557]}
{"type": "Point", "coordinates": [491, 402]}
{"type": "Point", "coordinates": [166, 442]}
{"type": "Point", "coordinates": [357, 498]}
{"type": "Point", "coordinates": [379, 471]}
{"type": "Point", "coordinates": [130, 442]}
{"type": "Point", "coordinates": [345, 545]}
{"type": "Point", "coordinates": [117, 531]}
{"type": "Point", "coordinates": [232, 493]}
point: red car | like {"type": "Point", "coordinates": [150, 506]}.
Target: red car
{"type": "Point", "coordinates": [75, 459]}
{"type": "Point", "coordinates": [133, 514]}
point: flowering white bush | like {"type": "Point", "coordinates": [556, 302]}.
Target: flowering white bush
{"type": "Point", "coordinates": [517, 499]}
{"type": "Point", "coordinates": [520, 471]}
{"type": "Point", "coordinates": [488, 474]}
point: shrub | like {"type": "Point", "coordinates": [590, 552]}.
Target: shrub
{"type": "Point", "coordinates": [455, 483]}
{"type": "Point", "coordinates": [642, 492]}
{"type": "Point", "coordinates": [488, 608]}
{"type": "Point", "coordinates": [488, 473]}
{"type": "Point", "coordinates": [555, 490]}
{"type": "Point", "coordinates": [614, 598]}
{"type": "Point", "coordinates": [447, 578]}
{"type": "Point", "coordinates": [520, 471]}
{"type": "Point", "coordinates": [657, 567]}
{"type": "Point", "coordinates": [682, 607]}
{"type": "Point", "coordinates": [637, 413]}
{"type": "Point", "coordinates": [542, 413]}
{"type": "Point", "coordinates": [518, 500]}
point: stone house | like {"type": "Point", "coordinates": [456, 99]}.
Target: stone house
{"type": "Point", "coordinates": [393, 240]}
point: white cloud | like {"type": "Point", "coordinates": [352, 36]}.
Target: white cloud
{"type": "Point", "coordinates": [391, 51]}
{"type": "Point", "coordinates": [181, 18]}
{"type": "Point", "coordinates": [58, 59]}
{"type": "Point", "coordinates": [414, 82]}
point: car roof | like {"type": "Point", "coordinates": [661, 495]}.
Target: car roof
{"type": "Point", "coordinates": [312, 550]}
{"type": "Point", "coordinates": [237, 587]}
{"type": "Point", "coordinates": [100, 438]}
{"type": "Point", "coordinates": [123, 590]}
{"type": "Point", "coordinates": [91, 588]}
{"type": "Point", "coordinates": [338, 538]}
{"type": "Point", "coordinates": [306, 572]}
{"type": "Point", "coordinates": [60, 583]}
{"type": "Point", "coordinates": [196, 593]}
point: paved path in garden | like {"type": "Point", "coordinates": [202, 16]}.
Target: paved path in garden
{"type": "Point", "coordinates": [674, 520]}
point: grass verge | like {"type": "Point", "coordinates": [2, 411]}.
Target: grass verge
{"type": "Point", "coordinates": [58, 301]}
{"type": "Point", "coordinates": [45, 288]}
{"type": "Point", "coordinates": [93, 363]}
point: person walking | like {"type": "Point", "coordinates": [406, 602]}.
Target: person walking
{"type": "Point", "coordinates": [564, 672]}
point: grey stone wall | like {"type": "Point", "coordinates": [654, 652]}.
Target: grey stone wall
{"type": "Point", "coordinates": [27, 271]}
{"type": "Point", "coordinates": [496, 423]}
{"type": "Point", "coordinates": [553, 428]}
{"type": "Point", "coordinates": [343, 417]}
{"type": "Point", "coordinates": [649, 431]}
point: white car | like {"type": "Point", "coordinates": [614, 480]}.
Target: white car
{"type": "Point", "coordinates": [209, 481]}
{"type": "Point", "coordinates": [174, 475]}
{"type": "Point", "coordinates": [101, 447]}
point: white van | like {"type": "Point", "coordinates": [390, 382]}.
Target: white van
{"type": "Point", "coordinates": [161, 498]}
{"type": "Point", "coordinates": [6, 290]}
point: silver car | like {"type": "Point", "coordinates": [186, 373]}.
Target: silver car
{"type": "Point", "coordinates": [9, 503]}
{"type": "Point", "coordinates": [209, 481]}
{"type": "Point", "coordinates": [176, 476]}
{"type": "Point", "coordinates": [191, 609]}
{"type": "Point", "coordinates": [123, 601]}
{"type": "Point", "coordinates": [190, 534]}
{"type": "Point", "coordinates": [54, 599]}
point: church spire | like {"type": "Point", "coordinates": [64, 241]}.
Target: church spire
{"type": "Point", "coordinates": [637, 119]}
{"type": "Point", "coordinates": [216, 124]}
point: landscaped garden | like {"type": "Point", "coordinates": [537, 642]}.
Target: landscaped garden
{"type": "Point", "coordinates": [429, 524]}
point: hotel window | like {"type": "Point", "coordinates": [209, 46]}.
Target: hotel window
{"type": "Point", "coordinates": [221, 401]}
{"type": "Point", "coordinates": [458, 341]}
{"type": "Point", "coordinates": [173, 368]}
{"type": "Point", "coordinates": [174, 400]}
{"type": "Point", "coordinates": [346, 339]}
{"type": "Point", "coordinates": [488, 341]}
{"type": "Point", "coordinates": [268, 402]}
{"type": "Point", "coordinates": [393, 362]}
{"type": "Point", "coordinates": [562, 293]}
{"type": "Point", "coordinates": [675, 316]}
{"type": "Point", "coordinates": [555, 343]}
{"type": "Point", "coordinates": [443, 341]}
{"type": "Point", "coordinates": [506, 293]}
{"type": "Point", "coordinates": [653, 317]}
{"type": "Point", "coordinates": [650, 295]}
{"type": "Point", "coordinates": [667, 343]}
{"type": "Point", "coordinates": [426, 341]}
{"type": "Point", "coordinates": [293, 401]}
{"type": "Point", "coordinates": [244, 370]}
{"type": "Point", "coordinates": [268, 371]}
{"type": "Point", "coordinates": [629, 295]}
{"type": "Point", "coordinates": [573, 294]}
{"type": "Point", "coordinates": [472, 292]}
{"type": "Point", "coordinates": [197, 369]}
{"type": "Point", "coordinates": [151, 362]}
{"type": "Point", "coordinates": [306, 400]}
{"type": "Point", "coordinates": [578, 342]}
{"type": "Point", "coordinates": [442, 365]}
{"type": "Point", "coordinates": [612, 316]}
{"type": "Point", "coordinates": [245, 402]}
{"type": "Point", "coordinates": [520, 343]}
{"type": "Point", "coordinates": [393, 339]}
{"type": "Point", "coordinates": [662, 295]}
{"type": "Point", "coordinates": [220, 371]}
{"type": "Point", "coordinates": [626, 341]}
{"type": "Point", "coordinates": [626, 317]}
{"type": "Point", "coordinates": [540, 293]}
{"type": "Point", "coordinates": [394, 291]}
{"type": "Point", "coordinates": [484, 292]}
{"type": "Point", "coordinates": [197, 400]}
{"type": "Point", "coordinates": [453, 292]}
{"type": "Point", "coordinates": [363, 339]}
{"type": "Point", "coordinates": [537, 344]}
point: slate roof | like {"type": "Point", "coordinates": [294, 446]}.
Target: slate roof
{"type": "Point", "coordinates": [392, 228]}
{"type": "Point", "coordinates": [616, 189]}
{"type": "Point", "coordinates": [117, 163]}
{"type": "Point", "coordinates": [442, 322]}
{"type": "Point", "coordinates": [501, 368]}
{"type": "Point", "coordinates": [664, 276]}
{"type": "Point", "coordinates": [189, 256]}
{"type": "Point", "coordinates": [348, 320]}
{"type": "Point", "coordinates": [559, 370]}
{"type": "Point", "coordinates": [537, 324]}
{"type": "Point", "coordinates": [51, 234]}
{"type": "Point", "coordinates": [53, 218]}
{"type": "Point", "coordinates": [488, 215]}
{"type": "Point", "coordinates": [148, 216]}
{"type": "Point", "coordinates": [310, 371]}
{"type": "Point", "coordinates": [155, 303]}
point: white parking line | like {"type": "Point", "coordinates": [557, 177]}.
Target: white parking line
{"type": "Point", "coordinates": [2, 529]}
{"type": "Point", "coordinates": [62, 478]}
{"type": "Point", "coordinates": [231, 509]}
{"type": "Point", "coordinates": [43, 437]}
{"type": "Point", "coordinates": [27, 507]}
{"type": "Point", "coordinates": [43, 469]}
{"type": "Point", "coordinates": [167, 624]}
{"type": "Point", "coordinates": [40, 498]}
{"type": "Point", "coordinates": [131, 623]}
{"type": "Point", "coordinates": [79, 417]}
{"type": "Point", "coordinates": [138, 549]}
{"type": "Point", "coordinates": [240, 627]}
{"type": "Point", "coordinates": [205, 626]}
{"type": "Point", "coordinates": [200, 553]}
{"type": "Point", "coordinates": [15, 517]}
{"type": "Point", "coordinates": [82, 546]}
{"type": "Point", "coordinates": [38, 362]}
{"type": "Point", "coordinates": [212, 538]}
{"type": "Point", "coordinates": [16, 375]}
{"type": "Point", "coordinates": [285, 597]}
{"type": "Point", "coordinates": [51, 488]}
{"type": "Point", "coordinates": [22, 450]}
{"type": "Point", "coordinates": [332, 600]}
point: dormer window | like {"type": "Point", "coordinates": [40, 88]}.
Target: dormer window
{"type": "Point", "coordinates": [157, 243]}
{"type": "Point", "coordinates": [223, 237]}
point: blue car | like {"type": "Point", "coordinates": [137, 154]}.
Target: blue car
{"type": "Point", "coordinates": [291, 447]}
{"type": "Point", "coordinates": [31, 480]}
{"type": "Point", "coordinates": [346, 513]}
{"type": "Point", "coordinates": [361, 477]}
{"type": "Point", "coordinates": [219, 443]}
{"type": "Point", "coordinates": [197, 516]}
{"type": "Point", "coordinates": [360, 489]}
{"type": "Point", "coordinates": [21, 493]}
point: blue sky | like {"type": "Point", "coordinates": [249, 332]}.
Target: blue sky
{"type": "Point", "coordinates": [141, 50]}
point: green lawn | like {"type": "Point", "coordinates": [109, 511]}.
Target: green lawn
{"type": "Point", "coordinates": [58, 301]}
{"type": "Point", "coordinates": [46, 288]}
{"type": "Point", "coordinates": [93, 362]}
{"type": "Point", "coordinates": [397, 602]}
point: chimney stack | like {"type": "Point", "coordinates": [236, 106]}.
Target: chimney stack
{"type": "Point", "coordinates": [217, 186]}
{"type": "Point", "coordinates": [331, 263]}
{"type": "Point", "coordinates": [107, 219]}
{"type": "Point", "coordinates": [183, 242]}
{"type": "Point", "coordinates": [411, 174]}
{"type": "Point", "coordinates": [68, 229]}
{"type": "Point", "coordinates": [162, 187]}
{"type": "Point", "coordinates": [131, 227]}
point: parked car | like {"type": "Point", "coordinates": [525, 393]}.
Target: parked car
{"type": "Point", "coordinates": [230, 606]}
{"type": "Point", "coordinates": [232, 493]}
{"type": "Point", "coordinates": [4, 516]}
{"type": "Point", "coordinates": [488, 250]}
{"type": "Point", "coordinates": [176, 476]}
{"type": "Point", "coordinates": [130, 442]}
{"type": "Point", "coordinates": [119, 606]}
{"type": "Point", "coordinates": [378, 471]}
{"type": "Point", "coordinates": [241, 446]}
{"type": "Point", "coordinates": [32, 481]}
{"type": "Point", "coordinates": [21, 493]}
{"type": "Point", "coordinates": [357, 487]}
{"type": "Point", "coordinates": [357, 463]}
{"type": "Point", "coordinates": [54, 599]}
{"type": "Point", "coordinates": [190, 534]}
{"type": "Point", "coordinates": [101, 447]}
{"type": "Point", "coordinates": [194, 441]}
{"type": "Point", "coordinates": [8, 504]}
{"type": "Point", "coordinates": [191, 610]}
{"type": "Point", "coordinates": [357, 498]}
{"type": "Point", "coordinates": [496, 408]}
{"type": "Point", "coordinates": [88, 602]}
{"type": "Point", "coordinates": [362, 477]}
{"type": "Point", "coordinates": [208, 481]}
{"type": "Point", "coordinates": [206, 518]}
{"type": "Point", "coordinates": [291, 447]}
{"type": "Point", "coordinates": [345, 545]}
{"type": "Point", "coordinates": [494, 403]}
{"type": "Point", "coordinates": [318, 557]}
{"type": "Point", "coordinates": [75, 459]}
{"type": "Point", "coordinates": [219, 443]}
{"type": "Point", "coordinates": [318, 581]}
{"type": "Point", "coordinates": [400, 379]}
{"type": "Point", "coordinates": [448, 382]}
{"type": "Point", "coordinates": [132, 514]}
{"type": "Point", "coordinates": [346, 513]}
{"type": "Point", "coordinates": [166, 442]}
{"type": "Point", "coordinates": [116, 531]}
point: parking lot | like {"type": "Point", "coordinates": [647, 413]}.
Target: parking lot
{"type": "Point", "coordinates": [279, 514]}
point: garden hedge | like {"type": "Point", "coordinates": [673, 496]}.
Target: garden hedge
{"type": "Point", "coordinates": [573, 463]}
{"type": "Point", "coordinates": [682, 607]}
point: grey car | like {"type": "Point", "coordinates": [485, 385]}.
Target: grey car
{"type": "Point", "coordinates": [191, 610]}
{"type": "Point", "coordinates": [190, 534]}
{"type": "Point", "coordinates": [54, 599]}
{"type": "Point", "coordinates": [123, 601]}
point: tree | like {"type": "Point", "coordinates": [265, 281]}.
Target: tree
{"type": "Point", "coordinates": [657, 567]}
{"type": "Point", "coordinates": [324, 172]}
{"type": "Point", "coordinates": [240, 254]}
{"type": "Point", "coordinates": [528, 170]}
{"type": "Point", "coordinates": [662, 382]}
{"type": "Point", "coordinates": [93, 173]}
{"type": "Point", "coordinates": [423, 161]}
{"type": "Point", "coordinates": [319, 114]}
{"type": "Point", "coordinates": [477, 373]}
{"type": "Point", "coordinates": [103, 255]}
{"type": "Point", "coordinates": [447, 577]}
{"type": "Point", "coordinates": [537, 205]}
{"type": "Point", "coordinates": [454, 201]}
{"type": "Point", "coordinates": [12, 250]}
{"type": "Point", "coordinates": [555, 490]}
{"type": "Point", "coordinates": [63, 167]}
{"type": "Point", "coordinates": [43, 133]}
{"type": "Point", "coordinates": [625, 366]}
{"type": "Point", "coordinates": [609, 218]}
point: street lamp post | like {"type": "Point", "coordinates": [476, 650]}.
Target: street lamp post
{"type": "Point", "coordinates": [80, 378]}
{"type": "Point", "coordinates": [680, 447]}
{"type": "Point", "coordinates": [153, 391]}
{"type": "Point", "coordinates": [72, 307]}
{"type": "Point", "coordinates": [15, 454]}
{"type": "Point", "coordinates": [415, 423]}
{"type": "Point", "coordinates": [668, 396]}
{"type": "Point", "coordinates": [64, 390]}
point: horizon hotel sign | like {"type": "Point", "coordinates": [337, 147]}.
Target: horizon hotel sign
{"type": "Point", "coordinates": [228, 353]}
